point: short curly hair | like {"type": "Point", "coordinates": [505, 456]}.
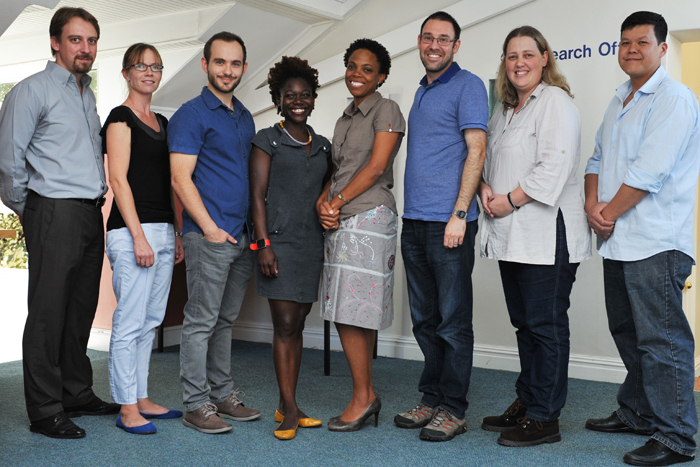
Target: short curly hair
{"type": "Point", "coordinates": [377, 49]}
{"type": "Point", "coordinates": [286, 69]}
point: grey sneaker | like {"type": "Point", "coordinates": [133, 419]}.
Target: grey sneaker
{"type": "Point", "coordinates": [443, 427]}
{"type": "Point", "coordinates": [417, 417]}
{"type": "Point", "coordinates": [233, 409]}
{"type": "Point", "coordinates": [206, 420]}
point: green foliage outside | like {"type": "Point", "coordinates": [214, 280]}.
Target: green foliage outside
{"type": "Point", "coordinates": [4, 89]}
{"type": "Point", "coordinates": [13, 251]}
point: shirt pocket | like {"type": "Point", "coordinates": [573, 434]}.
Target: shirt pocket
{"type": "Point", "coordinates": [522, 136]}
{"type": "Point", "coordinates": [277, 223]}
{"type": "Point", "coordinates": [629, 139]}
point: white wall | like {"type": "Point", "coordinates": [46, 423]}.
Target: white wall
{"type": "Point", "coordinates": [566, 25]}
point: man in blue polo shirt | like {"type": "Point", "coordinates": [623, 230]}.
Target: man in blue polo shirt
{"type": "Point", "coordinates": [640, 199]}
{"type": "Point", "coordinates": [209, 139]}
{"type": "Point", "coordinates": [446, 150]}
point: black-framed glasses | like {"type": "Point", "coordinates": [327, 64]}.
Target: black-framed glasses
{"type": "Point", "coordinates": [143, 67]}
{"type": "Point", "coordinates": [442, 40]}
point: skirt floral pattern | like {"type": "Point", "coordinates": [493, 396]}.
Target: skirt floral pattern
{"type": "Point", "coordinates": [358, 270]}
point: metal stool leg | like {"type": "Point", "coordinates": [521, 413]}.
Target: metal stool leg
{"type": "Point", "coordinates": [327, 348]}
{"type": "Point", "coordinates": [376, 336]}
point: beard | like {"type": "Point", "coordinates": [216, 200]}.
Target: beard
{"type": "Point", "coordinates": [221, 87]}
{"type": "Point", "coordinates": [436, 67]}
{"type": "Point", "coordinates": [80, 66]}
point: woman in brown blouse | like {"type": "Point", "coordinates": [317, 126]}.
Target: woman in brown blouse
{"type": "Point", "coordinates": [358, 211]}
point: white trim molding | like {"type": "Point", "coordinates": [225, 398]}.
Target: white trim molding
{"type": "Point", "coordinates": [99, 338]}
{"type": "Point", "coordinates": [493, 357]}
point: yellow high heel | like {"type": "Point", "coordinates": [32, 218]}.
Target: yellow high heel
{"type": "Point", "coordinates": [303, 422]}
{"type": "Point", "coordinates": [286, 434]}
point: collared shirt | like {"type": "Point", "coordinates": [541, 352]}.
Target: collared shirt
{"type": "Point", "coordinates": [539, 149]}
{"type": "Point", "coordinates": [50, 136]}
{"type": "Point", "coordinates": [652, 144]}
{"type": "Point", "coordinates": [220, 139]}
{"type": "Point", "coordinates": [441, 111]}
{"type": "Point", "coordinates": [353, 140]}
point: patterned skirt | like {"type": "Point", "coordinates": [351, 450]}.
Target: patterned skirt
{"type": "Point", "coordinates": [358, 270]}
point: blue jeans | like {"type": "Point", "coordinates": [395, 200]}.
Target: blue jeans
{"type": "Point", "coordinates": [217, 279]}
{"type": "Point", "coordinates": [537, 297]}
{"type": "Point", "coordinates": [440, 296]}
{"type": "Point", "coordinates": [646, 320]}
{"type": "Point", "coordinates": [142, 296]}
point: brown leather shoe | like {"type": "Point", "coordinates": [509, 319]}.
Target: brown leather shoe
{"type": "Point", "coordinates": [528, 432]}
{"type": "Point", "coordinates": [206, 420]}
{"type": "Point", "coordinates": [233, 409]}
{"type": "Point", "coordinates": [508, 420]}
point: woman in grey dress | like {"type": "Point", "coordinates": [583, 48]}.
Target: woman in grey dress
{"type": "Point", "coordinates": [288, 164]}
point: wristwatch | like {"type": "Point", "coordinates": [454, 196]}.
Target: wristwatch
{"type": "Point", "coordinates": [260, 244]}
{"type": "Point", "coordinates": [460, 214]}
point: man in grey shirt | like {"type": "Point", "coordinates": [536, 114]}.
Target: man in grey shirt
{"type": "Point", "coordinates": [52, 176]}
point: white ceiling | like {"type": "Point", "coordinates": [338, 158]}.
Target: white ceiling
{"type": "Point", "coordinates": [316, 30]}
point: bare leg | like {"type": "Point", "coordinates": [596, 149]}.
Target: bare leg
{"type": "Point", "coordinates": [358, 344]}
{"type": "Point", "coordinates": [288, 321]}
{"type": "Point", "coordinates": [131, 416]}
{"type": "Point", "coordinates": [146, 406]}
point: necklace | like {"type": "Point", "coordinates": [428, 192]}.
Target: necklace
{"type": "Point", "coordinates": [292, 137]}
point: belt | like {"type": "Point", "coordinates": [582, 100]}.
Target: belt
{"type": "Point", "coordinates": [98, 202]}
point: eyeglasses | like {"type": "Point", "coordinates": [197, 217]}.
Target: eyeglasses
{"type": "Point", "coordinates": [442, 40]}
{"type": "Point", "coordinates": [144, 67]}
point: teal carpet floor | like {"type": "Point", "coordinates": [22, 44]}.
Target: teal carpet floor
{"type": "Point", "coordinates": [252, 443]}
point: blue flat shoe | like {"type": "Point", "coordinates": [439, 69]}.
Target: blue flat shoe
{"type": "Point", "coordinates": [147, 429]}
{"type": "Point", "coordinates": [163, 416]}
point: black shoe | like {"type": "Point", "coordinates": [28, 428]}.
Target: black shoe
{"type": "Point", "coordinates": [95, 407]}
{"type": "Point", "coordinates": [612, 424]}
{"type": "Point", "coordinates": [530, 432]}
{"type": "Point", "coordinates": [655, 453]}
{"type": "Point", "coordinates": [508, 420]}
{"type": "Point", "coordinates": [57, 426]}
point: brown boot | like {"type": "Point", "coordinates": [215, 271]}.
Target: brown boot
{"type": "Point", "coordinates": [206, 420]}
{"type": "Point", "coordinates": [530, 432]}
{"type": "Point", "coordinates": [233, 409]}
{"type": "Point", "coordinates": [508, 420]}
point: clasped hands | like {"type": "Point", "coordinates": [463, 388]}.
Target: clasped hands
{"type": "Point", "coordinates": [601, 227]}
{"type": "Point", "coordinates": [494, 205]}
{"type": "Point", "coordinates": [328, 216]}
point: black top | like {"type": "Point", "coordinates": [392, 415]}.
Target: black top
{"type": "Point", "coordinates": [149, 169]}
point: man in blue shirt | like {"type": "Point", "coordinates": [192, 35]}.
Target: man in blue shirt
{"type": "Point", "coordinates": [52, 175]}
{"type": "Point", "coordinates": [210, 140]}
{"type": "Point", "coordinates": [640, 200]}
{"type": "Point", "coordinates": [446, 150]}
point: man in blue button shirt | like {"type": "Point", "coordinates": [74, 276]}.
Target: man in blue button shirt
{"type": "Point", "coordinates": [210, 140]}
{"type": "Point", "coordinates": [52, 175]}
{"type": "Point", "coordinates": [640, 200]}
{"type": "Point", "coordinates": [446, 151]}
